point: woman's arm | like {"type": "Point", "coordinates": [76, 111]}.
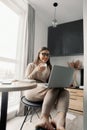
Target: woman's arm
{"type": "Point", "coordinates": [37, 73]}
{"type": "Point", "coordinates": [30, 72]}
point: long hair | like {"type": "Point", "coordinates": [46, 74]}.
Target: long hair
{"type": "Point", "coordinates": [38, 58]}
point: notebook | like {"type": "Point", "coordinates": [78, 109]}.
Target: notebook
{"type": "Point", "coordinates": [60, 77]}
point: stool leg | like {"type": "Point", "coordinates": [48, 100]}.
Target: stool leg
{"type": "Point", "coordinates": [36, 113]}
{"type": "Point", "coordinates": [25, 119]}
{"type": "Point", "coordinates": [32, 113]}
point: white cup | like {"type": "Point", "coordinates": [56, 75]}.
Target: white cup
{"type": "Point", "coordinates": [44, 64]}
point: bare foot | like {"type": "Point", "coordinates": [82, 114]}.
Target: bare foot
{"type": "Point", "coordinates": [44, 123]}
{"type": "Point", "coordinates": [59, 122]}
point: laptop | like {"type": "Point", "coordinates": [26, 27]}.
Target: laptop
{"type": "Point", "coordinates": [60, 77]}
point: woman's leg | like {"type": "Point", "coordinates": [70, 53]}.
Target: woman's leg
{"type": "Point", "coordinates": [62, 108]}
{"type": "Point", "coordinates": [48, 102]}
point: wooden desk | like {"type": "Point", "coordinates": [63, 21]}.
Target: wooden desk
{"type": "Point", "coordinates": [5, 88]}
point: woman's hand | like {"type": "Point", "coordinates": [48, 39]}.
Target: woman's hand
{"type": "Point", "coordinates": [41, 67]}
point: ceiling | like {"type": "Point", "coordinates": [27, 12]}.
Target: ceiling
{"type": "Point", "coordinates": [66, 11]}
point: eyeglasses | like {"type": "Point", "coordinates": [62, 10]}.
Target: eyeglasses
{"type": "Point", "coordinates": [45, 54]}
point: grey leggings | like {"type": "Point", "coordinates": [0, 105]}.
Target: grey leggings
{"type": "Point", "coordinates": [61, 97]}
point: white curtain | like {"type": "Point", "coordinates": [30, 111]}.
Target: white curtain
{"type": "Point", "coordinates": [28, 44]}
{"type": "Point", "coordinates": [29, 38]}
{"type": "Point", "coordinates": [28, 48]}
{"type": "Point", "coordinates": [31, 34]}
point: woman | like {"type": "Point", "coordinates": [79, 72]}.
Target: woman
{"type": "Point", "coordinates": [40, 71]}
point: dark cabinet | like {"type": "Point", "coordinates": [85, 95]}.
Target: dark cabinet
{"type": "Point", "coordinates": [66, 39]}
{"type": "Point", "coordinates": [53, 44]}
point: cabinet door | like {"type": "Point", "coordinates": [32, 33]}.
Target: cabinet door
{"type": "Point", "coordinates": [66, 39]}
{"type": "Point", "coordinates": [76, 104]}
{"type": "Point", "coordinates": [73, 38]}
{"type": "Point", "coordinates": [55, 41]}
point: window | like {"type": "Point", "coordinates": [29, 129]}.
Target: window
{"type": "Point", "coordinates": [9, 27]}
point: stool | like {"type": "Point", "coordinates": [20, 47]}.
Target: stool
{"type": "Point", "coordinates": [31, 107]}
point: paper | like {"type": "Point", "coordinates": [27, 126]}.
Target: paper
{"type": "Point", "coordinates": [70, 116]}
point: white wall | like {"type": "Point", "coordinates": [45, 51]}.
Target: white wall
{"type": "Point", "coordinates": [41, 31]}
{"type": "Point", "coordinates": [40, 34]}
{"type": "Point", "coordinates": [64, 59]}
{"type": "Point", "coordinates": [85, 62]}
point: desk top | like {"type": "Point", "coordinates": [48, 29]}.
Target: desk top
{"type": "Point", "coordinates": [16, 86]}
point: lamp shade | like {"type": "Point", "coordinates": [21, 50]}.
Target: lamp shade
{"type": "Point", "coordinates": [54, 21]}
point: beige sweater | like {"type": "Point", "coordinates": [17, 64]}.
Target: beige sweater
{"type": "Point", "coordinates": [32, 73]}
{"type": "Point", "coordinates": [39, 92]}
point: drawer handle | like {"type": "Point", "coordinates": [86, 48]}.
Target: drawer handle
{"type": "Point", "coordinates": [73, 95]}
{"type": "Point", "coordinates": [76, 95]}
{"type": "Point", "coordinates": [73, 92]}
{"type": "Point", "coordinates": [73, 98]}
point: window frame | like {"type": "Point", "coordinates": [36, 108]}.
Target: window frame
{"type": "Point", "coordinates": [19, 10]}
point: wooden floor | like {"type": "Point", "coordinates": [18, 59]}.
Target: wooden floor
{"type": "Point", "coordinates": [74, 121]}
